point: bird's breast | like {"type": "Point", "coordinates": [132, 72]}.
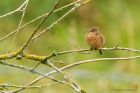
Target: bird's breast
{"type": "Point", "coordinates": [94, 40]}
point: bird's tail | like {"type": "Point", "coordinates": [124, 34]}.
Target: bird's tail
{"type": "Point", "coordinates": [100, 52]}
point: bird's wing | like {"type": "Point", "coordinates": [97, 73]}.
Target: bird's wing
{"type": "Point", "coordinates": [102, 39]}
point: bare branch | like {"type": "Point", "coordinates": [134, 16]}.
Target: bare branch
{"type": "Point", "coordinates": [26, 87]}
{"type": "Point", "coordinates": [42, 59]}
{"type": "Point", "coordinates": [22, 17]}
{"type": "Point", "coordinates": [30, 70]}
{"type": "Point", "coordinates": [77, 4]}
{"type": "Point", "coordinates": [38, 27]}
{"type": "Point", "coordinates": [75, 64]}
{"type": "Point", "coordinates": [67, 78]}
{"type": "Point", "coordinates": [16, 10]}
{"type": "Point", "coordinates": [121, 48]}
{"type": "Point", "coordinates": [35, 19]}
{"type": "Point", "coordinates": [53, 54]}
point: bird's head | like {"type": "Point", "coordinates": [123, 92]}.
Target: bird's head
{"type": "Point", "coordinates": [94, 29]}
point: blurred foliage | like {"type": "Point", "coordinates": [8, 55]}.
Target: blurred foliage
{"type": "Point", "coordinates": [118, 20]}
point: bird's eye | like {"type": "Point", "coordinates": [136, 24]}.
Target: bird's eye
{"type": "Point", "coordinates": [94, 29]}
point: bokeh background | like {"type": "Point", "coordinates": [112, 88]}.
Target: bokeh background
{"type": "Point", "coordinates": [118, 20]}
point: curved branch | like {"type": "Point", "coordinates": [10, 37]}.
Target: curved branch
{"type": "Point", "coordinates": [16, 10]}
{"type": "Point", "coordinates": [30, 70]}
{"type": "Point", "coordinates": [75, 64]}
{"type": "Point", "coordinates": [77, 5]}
{"type": "Point", "coordinates": [38, 27]}
{"type": "Point", "coordinates": [26, 87]}
{"type": "Point", "coordinates": [53, 54]}
{"type": "Point", "coordinates": [35, 19]}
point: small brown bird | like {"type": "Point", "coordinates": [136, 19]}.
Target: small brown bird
{"type": "Point", "coordinates": [95, 39]}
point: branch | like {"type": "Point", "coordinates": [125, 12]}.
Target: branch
{"type": "Point", "coordinates": [19, 54]}
{"type": "Point", "coordinates": [77, 5]}
{"type": "Point", "coordinates": [53, 54]}
{"type": "Point", "coordinates": [67, 78]}
{"type": "Point", "coordinates": [38, 27]}
{"type": "Point", "coordinates": [33, 37]}
{"type": "Point", "coordinates": [35, 19]}
{"type": "Point", "coordinates": [16, 10]}
{"type": "Point", "coordinates": [75, 64]}
{"type": "Point", "coordinates": [121, 48]}
{"type": "Point", "coordinates": [30, 70]}
{"type": "Point", "coordinates": [21, 19]}
{"type": "Point", "coordinates": [26, 87]}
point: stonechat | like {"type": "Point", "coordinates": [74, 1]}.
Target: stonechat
{"type": "Point", "coordinates": [95, 39]}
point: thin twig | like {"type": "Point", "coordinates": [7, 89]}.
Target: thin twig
{"type": "Point", "coordinates": [121, 48]}
{"type": "Point", "coordinates": [75, 64]}
{"type": "Point", "coordinates": [35, 19]}
{"type": "Point", "coordinates": [84, 50]}
{"type": "Point", "coordinates": [77, 5]}
{"type": "Point", "coordinates": [30, 70]}
{"type": "Point", "coordinates": [22, 17]}
{"type": "Point", "coordinates": [54, 67]}
{"type": "Point", "coordinates": [19, 54]}
{"type": "Point", "coordinates": [53, 54]}
{"type": "Point", "coordinates": [16, 10]}
{"type": "Point", "coordinates": [20, 22]}
{"type": "Point", "coordinates": [67, 78]}
{"type": "Point", "coordinates": [38, 27]}
{"type": "Point", "coordinates": [26, 87]}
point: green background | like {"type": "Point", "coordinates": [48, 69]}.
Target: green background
{"type": "Point", "coordinates": [118, 20]}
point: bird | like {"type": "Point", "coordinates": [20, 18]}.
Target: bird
{"type": "Point", "coordinates": [95, 39]}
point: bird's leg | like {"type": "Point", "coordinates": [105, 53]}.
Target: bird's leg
{"type": "Point", "coordinates": [100, 52]}
{"type": "Point", "coordinates": [91, 49]}
{"type": "Point", "coordinates": [95, 49]}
